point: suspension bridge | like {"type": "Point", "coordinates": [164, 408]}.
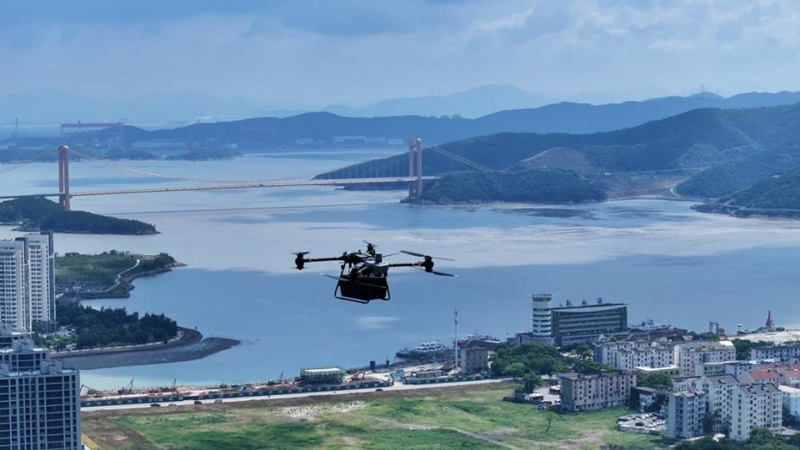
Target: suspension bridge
{"type": "Point", "coordinates": [354, 175]}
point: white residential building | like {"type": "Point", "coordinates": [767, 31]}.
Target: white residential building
{"type": "Point", "coordinates": [627, 355]}
{"type": "Point", "coordinates": [14, 309]}
{"type": "Point", "coordinates": [719, 394]}
{"type": "Point", "coordinates": [685, 412]}
{"type": "Point", "coordinates": [791, 400]}
{"type": "Point", "coordinates": [27, 281]}
{"type": "Point", "coordinates": [755, 406]}
{"type": "Point", "coordinates": [783, 353]}
{"type": "Point", "coordinates": [41, 278]}
{"type": "Point", "coordinates": [690, 356]}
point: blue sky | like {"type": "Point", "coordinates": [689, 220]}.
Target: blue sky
{"type": "Point", "coordinates": [318, 52]}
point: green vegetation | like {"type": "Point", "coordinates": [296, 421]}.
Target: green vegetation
{"type": "Point", "coordinates": [761, 439]}
{"type": "Point", "coordinates": [532, 186]}
{"type": "Point", "coordinates": [101, 270]}
{"type": "Point", "coordinates": [655, 381]}
{"type": "Point", "coordinates": [204, 154]}
{"type": "Point", "coordinates": [106, 327]}
{"type": "Point", "coordinates": [527, 358]}
{"type": "Point", "coordinates": [743, 347]}
{"type": "Point", "coordinates": [40, 214]}
{"type": "Point", "coordinates": [777, 195]}
{"type": "Point", "coordinates": [471, 417]}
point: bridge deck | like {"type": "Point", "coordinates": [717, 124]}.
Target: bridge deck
{"type": "Point", "coordinates": [260, 184]}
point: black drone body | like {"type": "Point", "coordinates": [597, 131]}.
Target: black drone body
{"type": "Point", "coordinates": [364, 275]}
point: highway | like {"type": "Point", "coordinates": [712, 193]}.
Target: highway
{"type": "Point", "coordinates": [396, 387]}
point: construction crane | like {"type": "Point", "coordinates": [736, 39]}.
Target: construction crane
{"type": "Point", "coordinates": [127, 389]}
{"type": "Point", "coordinates": [91, 391]}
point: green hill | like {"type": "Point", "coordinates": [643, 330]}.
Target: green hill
{"type": "Point", "coordinates": [39, 214]}
{"type": "Point", "coordinates": [775, 196]}
{"type": "Point", "coordinates": [533, 186]}
{"type": "Point", "coordinates": [706, 153]}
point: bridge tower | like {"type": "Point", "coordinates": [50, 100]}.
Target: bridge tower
{"type": "Point", "coordinates": [415, 167]}
{"type": "Point", "coordinates": [63, 177]}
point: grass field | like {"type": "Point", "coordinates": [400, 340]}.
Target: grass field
{"type": "Point", "coordinates": [92, 270]}
{"type": "Point", "coordinates": [459, 417]}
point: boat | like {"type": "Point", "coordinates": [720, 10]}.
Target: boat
{"type": "Point", "coordinates": [424, 349]}
{"type": "Point", "coordinates": [649, 325]}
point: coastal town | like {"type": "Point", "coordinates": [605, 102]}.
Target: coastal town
{"type": "Point", "coordinates": [677, 384]}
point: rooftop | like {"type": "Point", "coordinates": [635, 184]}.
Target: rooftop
{"type": "Point", "coordinates": [767, 388]}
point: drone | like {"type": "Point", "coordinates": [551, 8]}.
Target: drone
{"type": "Point", "coordinates": [364, 275]}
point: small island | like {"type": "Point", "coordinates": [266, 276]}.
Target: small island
{"type": "Point", "coordinates": [40, 214]}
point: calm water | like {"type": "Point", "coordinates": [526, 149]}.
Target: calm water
{"type": "Point", "coordinates": [666, 261]}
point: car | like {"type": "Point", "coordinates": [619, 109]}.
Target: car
{"type": "Point", "coordinates": [155, 405]}
{"type": "Point", "coordinates": [198, 402]}
{"type": "Point", "coordinates": [379, 390]}
{"type": "Point", "coordinates": [219, 400]}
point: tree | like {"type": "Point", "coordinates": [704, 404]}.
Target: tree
{"type": "Point", "coordinates": [710, 420]}
{"type": "Point", "coordinates": [532, 381]}
{"type": "Point", "coordinates": [655, 381]}
{"type": "Point", "coordinates": [549, 417]}
{"type": "Point", "coordinates": [584, 351]}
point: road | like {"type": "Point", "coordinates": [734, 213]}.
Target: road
{"type": "Point", "coordinates": [396, 387]}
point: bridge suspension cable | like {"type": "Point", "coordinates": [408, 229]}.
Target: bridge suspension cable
{"type": "Point", "coordinates": [460, 159]}
{"type": "Point", "coordinates": [165, 176]}
{"type": "Point", "coordinates": [15, 167]}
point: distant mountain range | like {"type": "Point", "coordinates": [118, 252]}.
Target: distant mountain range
{"type": "Point", "coordinates": [320, 129]}
{"type": "Point", "coordinates": [494, 108]}
{"type": "Point", "coordinates": [472, 103]}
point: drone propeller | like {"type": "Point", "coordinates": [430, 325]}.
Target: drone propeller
{"type": "Point", "coordinates": [436, 272]}
{"type": "Point", "coordinates": [420, 255]}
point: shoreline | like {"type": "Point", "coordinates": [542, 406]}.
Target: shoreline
{"type": "Point", "coordinates": [191, 346]}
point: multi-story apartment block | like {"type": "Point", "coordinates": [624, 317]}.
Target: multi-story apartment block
{"type": "Point", "coordinates": [27, 282]}
{"type": "Point", "coordinates": [791, 400]}
{"type": "Point", "coordinates": [627, 355]}
{"type": "Point", "coordinates": [685, 412]}
{"type": "Point", "coordinates": [604, 390]}
{"type": "Point", "coordinates": [719, 395]}
{"type": "Point", "coordinates": [784, 353]}
{"type": "Point", "coordinates": [690, 356]}
{"type": "Point", "coordinates": [473, 359]}
{"type": "Point", "coordinates": [755, 406]}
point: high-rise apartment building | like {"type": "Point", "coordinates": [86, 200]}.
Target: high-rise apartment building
{"type": "Point", "coordinates": [14, 286]}
{"type": "Point", "coordinates": [27, 282]}
{"type": "Point", "coordinates": [39, 400]}
{"type": "Point", "coordinates": [41, 277]}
